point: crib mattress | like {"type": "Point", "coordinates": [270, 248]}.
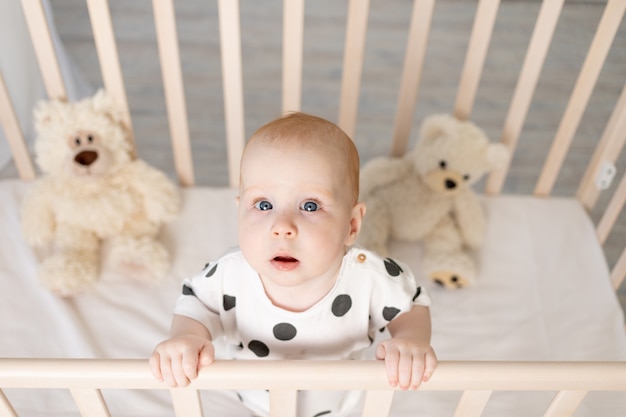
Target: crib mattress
{"type": "Point", "coordinates": [543, 294]}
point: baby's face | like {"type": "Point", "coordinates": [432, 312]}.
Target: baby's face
{"type": "Point", "coordinates": [296, 215]}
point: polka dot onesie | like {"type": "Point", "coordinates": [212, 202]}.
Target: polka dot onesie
{"type": "Point", "coordinates": [229, 299]}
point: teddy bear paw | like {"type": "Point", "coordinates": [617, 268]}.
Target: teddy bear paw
{"type": "Point", "coordinates": [449, 279]}
{"type": "Point", "coordinates": [142, 259]}
{"type": "Point", "coordinates": [68, 275]}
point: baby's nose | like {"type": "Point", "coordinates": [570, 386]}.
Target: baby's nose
{"type": "Point", "coordinates": [284, 227]}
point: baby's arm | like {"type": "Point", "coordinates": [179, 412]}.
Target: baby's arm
{"type": "Point", "coordinates": [408, 356]}
{"type": "Point", "coordinates": [177, 359]}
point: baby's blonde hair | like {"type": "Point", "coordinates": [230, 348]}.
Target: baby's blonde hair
{"type": "Point", "coordinates": [312, 132]}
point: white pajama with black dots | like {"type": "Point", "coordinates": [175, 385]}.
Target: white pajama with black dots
{"type": "Point", "coordinates": [229, 299]}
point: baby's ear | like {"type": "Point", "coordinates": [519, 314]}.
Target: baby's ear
{"type": "Point", "coordinates": [356, 220]}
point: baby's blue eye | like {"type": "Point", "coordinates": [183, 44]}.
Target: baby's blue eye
{"type": "Point", "coordinates": [263, 205]}
{"type": "Point", "coordinates": [310, 206]}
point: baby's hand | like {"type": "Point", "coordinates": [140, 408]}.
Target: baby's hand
{"type": "Point", "coordinates": [408, 363]}
{"type": "Point", "coordinates": [176, 361]}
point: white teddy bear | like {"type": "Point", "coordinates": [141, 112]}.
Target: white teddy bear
{"type": "Point", "coordinates": [91, 190]}
{"type": "Point", "coordinates": [426, 196]}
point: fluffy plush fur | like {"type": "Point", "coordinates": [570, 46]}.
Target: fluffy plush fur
{"type": "Point", "coordinates": [426, 196]}
{"type": "Point", "coordinates": [91, 189]}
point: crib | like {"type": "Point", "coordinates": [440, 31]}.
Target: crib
{"type": "Point", "coordinates": [541, 333]}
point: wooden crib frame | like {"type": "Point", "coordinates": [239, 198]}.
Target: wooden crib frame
{"type": "Point", "coordinates": [570, 380]}
{"type": "Point", "coordinates": [85, 378]}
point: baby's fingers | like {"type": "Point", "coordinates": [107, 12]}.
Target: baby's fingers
{"type": "Point", "coordinates": [174, 372]}
{"type": "Point", "coordinates": [189, 364]}
{"type": "Point", "coordinates": [392, 359]}
{"type": "Point", "coordinates": [155, 366]}
{"type": "Point", "coordinates": [430, 361]}
{"type": "Point", "coordinates": [410, 368]}
{"type": "Point", "coordinates": [207, 355]}
{"type": "Point", "coordinates": [411, 375]}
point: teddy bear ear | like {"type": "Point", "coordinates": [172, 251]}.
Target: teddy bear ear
{"type": "Point", "coordinates": [103, 102]}
{"type": "Point", "coordinates": [435, 125]}
{"type": "Point", "coordinates": [47, 112]}
{"type": "Point", "coordinates": [497, 155]}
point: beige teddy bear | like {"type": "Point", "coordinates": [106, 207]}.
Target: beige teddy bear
{"type": "Point", "coordinates": [91, 189]}
{"type": "Point", "coordinates": [426, 196]}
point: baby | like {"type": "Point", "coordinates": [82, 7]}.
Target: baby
{"type": "Point", "coordinates": [296, 288]}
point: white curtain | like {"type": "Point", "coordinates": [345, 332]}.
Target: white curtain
{"type": "Point", "coordinates": [21, 71]}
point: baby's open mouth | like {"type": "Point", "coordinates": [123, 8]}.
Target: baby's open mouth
{"type": "Point", "coordinates": [285, 259]}
{"type": "Point", "coordinates": [285, 263]}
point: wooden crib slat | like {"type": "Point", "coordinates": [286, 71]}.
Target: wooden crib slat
{"type": "Point", "coordinates": [293, 36]}
{"type": "Point", "coordinates": [475, 58]}
{"type": "Point", "coordinates": [606, 223]}
{"type": "Point", "coordinates": [186, 402]}
{"type": "Point", "coordinates": [44, 48]}
{"type": "Point", "coordinates": [167, 38]}
{"type": "Point", "coordinates": [421, 19]}
{"type": "Point", "coordinates": [356, 31]}
{"type": "Point", "coordinates": [90, 402]}
{"type": "Point", "coordinates": [377, 403]}
{"type": "Point", "coordinates": [526, 84]}
{"type": "Point", "coordinates": [14, 134]}
{"type": "Point", "coordinates": [6, 409]}
{"type": "Point", "coordinates": [612, 211]}
{"type": "Point", "coordinates": [618, 273]}
{"type": "Point", "coordinates": [283, 402]}
{"type": "Point", "coordinates": [577, 104]}
{"type": "Point", "coordinates": [108, 56]}
{"type": "Point", "coordinates": [230, 43]}
{"type": "Point", "coordinates": [472, 403]}
{"type": "Point", "coordinates": [609, 148]}
{"type": "Point", "coordinates": [565, 403]}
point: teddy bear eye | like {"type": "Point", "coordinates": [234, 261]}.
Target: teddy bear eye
{"type": "Point", "coordinates": [90, 139]}
{"type": "Point", "coordinates": [443, 164]}
{"type": "Point", "coordinates": [466, 177]}
{"type": "Point", "coordinates": [77, 140]}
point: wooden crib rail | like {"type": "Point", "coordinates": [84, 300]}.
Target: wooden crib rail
{"type": "Point", "coordinates": [85, 378]}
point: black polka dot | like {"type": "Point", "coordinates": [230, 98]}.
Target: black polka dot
{"type": "Point", "coordinates": [259, 348]}
{"type": "Point", "coordinates": [229, 302]}
{"type": "Point", "coordinates": [341, 305]}
{"type": "Point", "coordinates": [187, 290]}
{"type": "Point", "coordinates": [390, 312]}
{"type": "Point", "coordinates": [392, 267]}
{"type": "Point", "coordinates": [211, 271]}
{"type": "Point", "coordinates": [284, 331]}
{"type": "Point", "coordinates": [417, 293]}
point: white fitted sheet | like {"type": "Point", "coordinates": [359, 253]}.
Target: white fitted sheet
{"type": "Point", "coordinates": [543, 294]}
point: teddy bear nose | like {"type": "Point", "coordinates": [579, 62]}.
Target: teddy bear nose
{"type": "Point", "coordinates": [86, 158]}
{"type": "Point", "coordinates": [450, 184]}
